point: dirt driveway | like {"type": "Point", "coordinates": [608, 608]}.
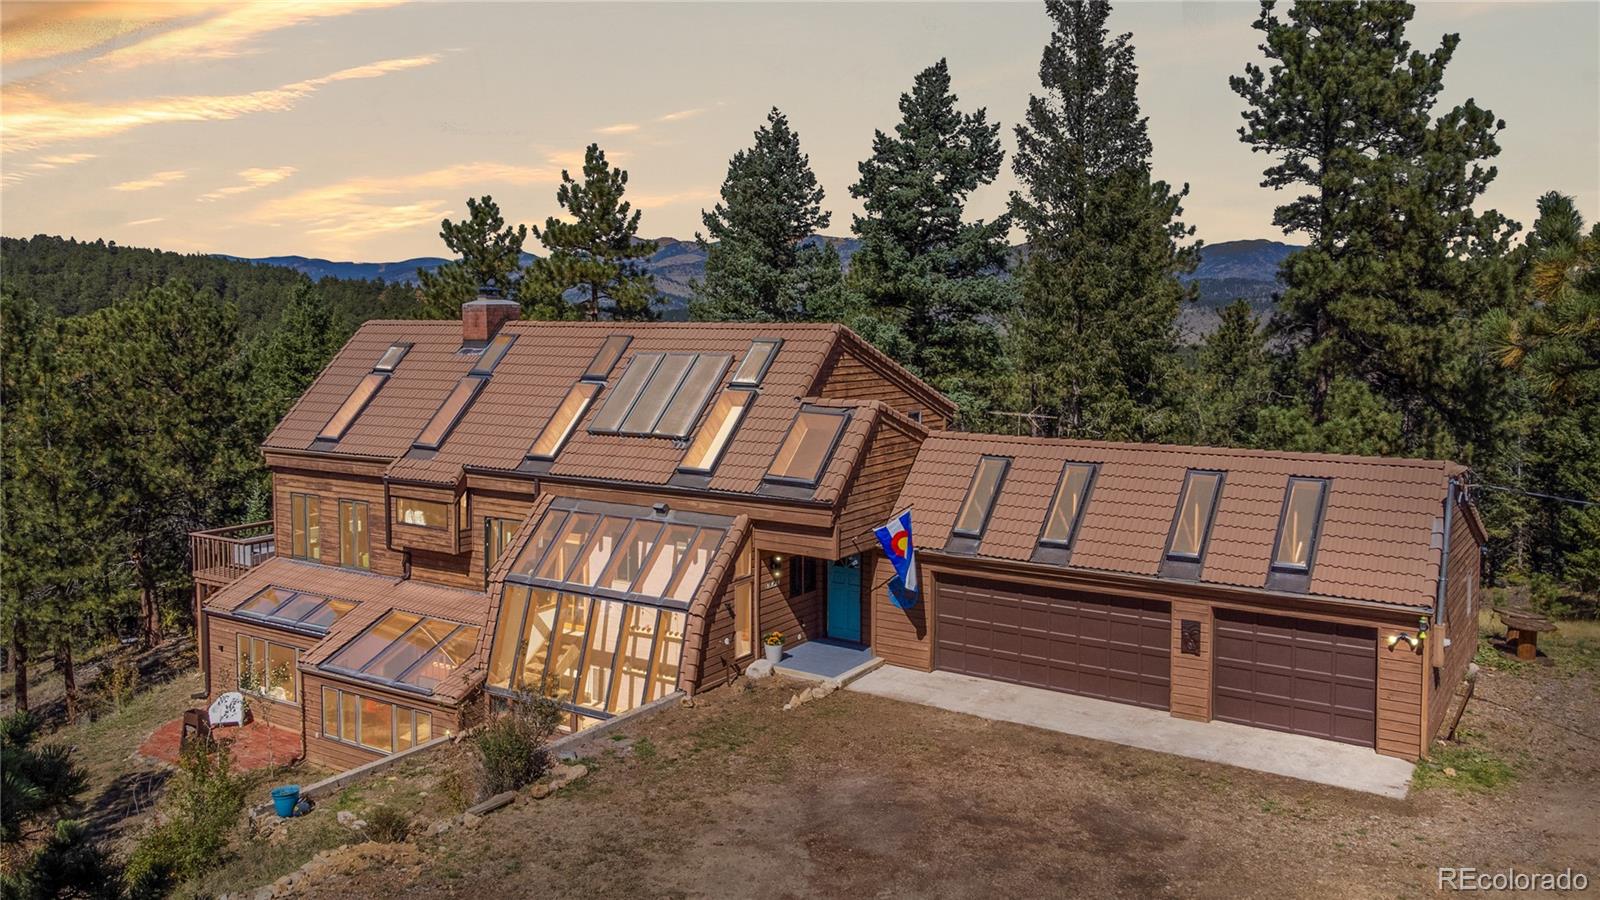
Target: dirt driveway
{"type": "Point", "coordinates": [858, 796]}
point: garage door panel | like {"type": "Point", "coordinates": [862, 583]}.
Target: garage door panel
{"type": "Point", "coordinates": [1304, 676]}
{"type": "Point", "coordinates": [1110, 648]}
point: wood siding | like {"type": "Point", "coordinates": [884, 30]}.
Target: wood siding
{"type": "Point", "coordinates": [1399, 697]}
{"type": "Point", "coordinates": [1191, 674]}
{"type": "Point", "coordinates": [342, 755]}
{"type": "Point", "coordinates": [900, 636]}
{"type": "Point", "coordinates": [329, 489]}
{"type": "Point", "coordinates": [849, 377]}
{"type": "Point", "coordinates": [869, 499]}
{"type": "Point", "coordinates": [798, 616]}
{"type": "Point", "coordinates": [1460, 623]}
{"type": "Point", "coordinates": [222, 635]}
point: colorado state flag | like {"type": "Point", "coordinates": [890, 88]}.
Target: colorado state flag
{"type": "Point", "coordinates": [896, 540]}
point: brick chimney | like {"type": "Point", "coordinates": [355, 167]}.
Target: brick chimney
{"type": "Point", "coordinates": [482, 318]}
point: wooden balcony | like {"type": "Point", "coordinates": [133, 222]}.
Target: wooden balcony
{"type": "Point", "coordinates": [221, 555]}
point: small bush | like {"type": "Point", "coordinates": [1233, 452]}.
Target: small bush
{"type": "Point", "coordinates": [115, 686]}
{"type": "Point", "coordinates": [388, 825]}
{"type": "Point", "coordinates": [201, 809]}
{"type": "Point", "coordinates": [511, 746]}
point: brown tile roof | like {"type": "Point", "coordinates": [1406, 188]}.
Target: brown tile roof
{"type": "Point", "coordinates": [377, 595]}
{"type": "Point", "coordinates": [530, 382]}
{"type": "Point", "coordinates": [1378, 539]}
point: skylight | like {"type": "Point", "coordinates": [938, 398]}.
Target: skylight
{"type": "Point", "coordinates": [493, 353]}
{"type": "Point", "coordinates": [606, 358]}
{"type": "Point", "coordinates": [566, 417]}
{"type": "Point", "coordinates": [407, 650]}
{"type": "Point", "coordinates": [661, 394]}
{"type": "Point", "coordinates": [681, 413]}
{"type": "Point", "coordinates": [345, 415]}
{"type": "Point", "coordinates": [652, 401]}
{"type": "Point", "coordinates": [619, 554]}
{"type": "Point", "coordinates": [391, 357]}
{"type": "Point", "coordinates": [295, 609]}
{"type": "Point", "coordinates": [449, 412]}
{"type": "Point", "coordinates": [981, 493]}
{"type": "Point", "coordinates": [1066, 511]}
{"type": "Point", "coordinates": [1297, 531]}
{"type": "Point", "coordinates": [1196, 507]}
{"type": "Point", "coordinates": [627, 390]}
{"type": "Point", "coordinates": [713, 436]}
{"type": "Point", "coordinates": [809, 446]}
{"type": "Point", "coordinates": [756, 362]}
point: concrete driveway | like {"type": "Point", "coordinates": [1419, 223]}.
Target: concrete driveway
{"type": "Point", "coordinates": [1293, 755]}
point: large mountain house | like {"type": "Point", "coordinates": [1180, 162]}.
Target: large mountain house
{"type": "Point", "coordinates": [610, 513]}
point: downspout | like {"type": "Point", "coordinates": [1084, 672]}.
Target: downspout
{"type": "Point", "coordinates": [1444, 550]}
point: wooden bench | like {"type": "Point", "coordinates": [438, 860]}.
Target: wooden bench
{"type": "Point", "coordinates": [1523, 630]}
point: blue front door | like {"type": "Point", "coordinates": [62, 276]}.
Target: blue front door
{"type": "Point", "coordinates": [844, 600]}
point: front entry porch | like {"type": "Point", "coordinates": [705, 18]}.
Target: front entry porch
{"type": "Point", "coordinates": [827, 660]}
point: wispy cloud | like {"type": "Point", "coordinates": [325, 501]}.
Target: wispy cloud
{"type": "Point", "coordinates": [619, 128]}
{"type": "Point", "coordinates": [682, 114]}
{"type": "Point", "coordinates": [156, 180]}
{"type": "Point", "coordinates": [254, 179]}
{"type": "Point", "coordinates": [33, 119]}
{"type": "Point", "coordinates": [150, 221]}
{"type": "Point", "coordinates": [42, 165]}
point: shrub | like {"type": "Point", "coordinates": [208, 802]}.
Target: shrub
{"type": "Point", "coordinates": [116, 684]}
{"type": "Point", "coordinates": [68, 864]}
{"type": "Point", "coordinates": [37, 779]}
{"type": "Point", "coordinates": [511, 746]}
{"type": "Point", "coordinates": [388, 825]}
{"type": "Point", "coordinates": [201, 808]}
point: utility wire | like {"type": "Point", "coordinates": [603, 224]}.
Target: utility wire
{"type": "Point", "coordinates": [1511, 490]}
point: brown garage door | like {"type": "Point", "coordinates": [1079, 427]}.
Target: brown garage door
{"type": "Point", "coordinates": [1299, 675]}
{"type": "Point", "coordinates": [1107, 647]}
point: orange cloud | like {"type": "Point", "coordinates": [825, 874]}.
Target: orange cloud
{"type": "Point", "coordinates": [254, 179]}
{"type": "Point", "coordinates": [156, 180]}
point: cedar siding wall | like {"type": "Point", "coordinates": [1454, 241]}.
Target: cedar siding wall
{"type": "Point", "coordinates": [343, 755]}
{"type": "Point", "coordinates": [870, 498]}
{"type": "Point", "coordinates": [1399, 697]}
{"type": "Point", "coordinates": [329, 490]}
{"type": "Point", "coordinates": [1191, 675]}
{"type": "Point", "coordinates": [798, 616]}
{"type": "Point", "coordinates": [849, 378]}
{"type": "Point", "coordinates": [485, 505]}
{"type": "Point", "coordinates": [900, 636]}
{"type": "Point", "coordinates": [223, 634]}
{"type": "Point", "coordinates": [1460, 622]}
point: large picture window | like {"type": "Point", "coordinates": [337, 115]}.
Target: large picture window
{"type": "Point", "coordinates": [421, 513]}
{"type": "Point", "coordinates": [305, 533]}
{"type": "Point", "coordinates": [374, 724]}
{"type": "Point", "coordinates": [268, 670]}
{"type": "Point", "coordinates": [355, 547]}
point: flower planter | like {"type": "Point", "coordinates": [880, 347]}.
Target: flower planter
{"type": "Point", "coordinates": [774, 653]}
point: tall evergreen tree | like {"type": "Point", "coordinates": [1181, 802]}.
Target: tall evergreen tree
{"type": "Point", "coordinates": [596, 254]}
{"type": "Point", "coordinates": [930, 279]}
{"type": "Point", "coordinates": [759, 264]}
{"type": "Point", "coordinates": [1095, 329]}
{"type": "Point", "coordinates": [1399, 265]}
{"type": "Point", "coordinates": [490, 254]}
{"type": "Point", "coordinates": [1233, 380]}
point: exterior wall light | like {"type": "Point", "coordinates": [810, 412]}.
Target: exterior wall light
{"type": "Point", "coordinates": [1411, 642]}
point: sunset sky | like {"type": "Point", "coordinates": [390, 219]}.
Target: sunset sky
{"type": "Point", "coordinates": [347, 131]}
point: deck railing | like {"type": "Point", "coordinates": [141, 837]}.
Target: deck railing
{"type": "Point", "coordinates": [222, 554]}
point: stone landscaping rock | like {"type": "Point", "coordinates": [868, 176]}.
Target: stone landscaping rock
{"type": "Point", "coordinates": [350, 820]}
{"type": "Point", "coordinates": [470, 820]}
{"type": "Point", "coordinates": [441, 826]}
{"type": "Point", "coordinates": [761, 668]}
{"type": "Point", "coordinates": [560, 776]}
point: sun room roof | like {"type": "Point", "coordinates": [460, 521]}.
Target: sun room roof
{"type": "Point", "coordinates": [295, 610]}
{"type": "Point", "coordinates": [406, 651]}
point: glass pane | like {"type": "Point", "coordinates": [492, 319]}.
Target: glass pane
{"type": "Point", "coordinates": [391, 358]}
{"type": "Point", "coordinates": [313, 530]}
{"type": "Point", "coordinates": [330, 712]}
{"type": "Point", "coordinates": [669, 551]}
{"type": "Point", "coordinates": [402, 729]}
{"type": "Point", "coordinates": [566, 550]}
{"type": "Point", "coordinates": [713, 436]}
{"type": "Point", "coordinates": [559, 428]}
{"type": "Point", "coordinates": [352, 406]}
{"type": "Point", "coordinates": [695, 563]}
{"type": "Point", "coordinates": [605, 636]}
{"type": "Point", "coordinates": [349, 709]}
{"type": "Point", "coordinates": [373, 641]}
{"type": "Point", "coordinates": [592, 561]}
{"type": "Point", "coordinates": [421, 513]}
{"type": "Point", "coordinates": [669, 652]}
{"type": "Point", "coordinates": [980, 497]}
{"type": "Point", "coordinates": [633, 658]}
{"type": "Point", "coordinates": [755, 362]}
{"type": "Point", "coordinates": [400, 655]}
{"type": "Point", "coordinates": [298, 607]}
{"type": "Point", "coordinates": [549, 527]}
{"type": "Point", "coordinates": [443, 661]}
{"type": "Point", "coordinates": [245, 663]}
{"type": "Point", "coordinates": [265, 602]}
{"type": "Point", "coordinates": [1068, 504]}
{"type": "Point", "coordinates": [1299, 523]}
{"type": "Point", "coordinates": [744, 619]}
{"type": "Point", "coordinates": [258, 663]}
{"type": "Point", "coordinates": [424, 727]}
{"type": "Point", "coordinates": [328, 613]}
{"type": "Point", "coordinates": [1194, 514]}
{"type": "Point", "coordinates": [377, 725]}
{"type": "Point", "coordinates": [502, 657]}
{"type": "Point", "coordinates": [606, 359]}
{"type": "Point", "coordinates": [611, 413]}
{"type": "Point", "coordinates": [691, 397]}
{"type": "Point", "coordinates": [807, 448]}
{"type": "Point", "coordinates": [354, 545]}
{"type": "Point", "coordinates": [568, 646]}
{"type": "Point", "coordinates": [297, 525]}
{"type": "Point", "coordinates": [493, 353]}
{"type": "Point", "coordinates": [438, 428]}
{"type": "Point", "coordinates": [663, 385]}
{"type": "Point", "coordinates": [282, 678]}
{"type": "Point", "coordinates": [497, 533]}
{"type": "Point", "coordinates": [630, 556]}
{"type": "Point", "coordinates": [537, 632]}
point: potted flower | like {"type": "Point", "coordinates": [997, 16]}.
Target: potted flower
{"type": "Point", "coordinates": [773, 641]}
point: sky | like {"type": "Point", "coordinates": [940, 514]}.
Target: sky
{"type": "Point", "coordinates": [348, 130]}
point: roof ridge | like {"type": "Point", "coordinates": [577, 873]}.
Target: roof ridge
{"type": "Point", "coordinates": [1029, 440]}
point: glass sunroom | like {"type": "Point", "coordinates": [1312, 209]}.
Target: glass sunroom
{"type": "Point", "coordinates": [594, 609]}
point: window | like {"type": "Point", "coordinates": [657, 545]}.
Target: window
{"type": "Point", "coordinates": [497, 533]}
{"type": "Point", "coordinates": [421, 513]}
{"type": "Point", "coordinates": [985, 487]}
{"type": "Point", "coordinates": [295, 609]}
{"type": "Point", "coordinates": [802, 575]}
{"type": "Point", "coordinates": [808, 446]}
{"type": "Point", "coordinates": [691, 397]}
{"type": "Point", "coordinates": [744, 603]}
{"type": "Point", "coordinates": [355, 547]}
{"type": "Point", "coordinates": [1196, 506]}
{"type": "Point", "coordinates": [391, 357]}
{"type": "Point", "coordinates": [756, 362]}
{"type": "Point", "coordinates": [405, 649]}
{"type": "Point", "coordinates": [559, 428]}
{"type": "Point", "coordinates": [374, 724]}
{"type": "Point", "coordinates": [713, 436]}
{"type": "Point", "coordinates": [627, 390]}
{"type": "Point", "coordinates": [606, 358]}
{"type": "Point", "coordinates": [1297, 531]}
{"type": "Point", "coordinates": [661, 394]}
{"type": "Point", "coordinates": [658, 391]}
{"type": "Point", "coordinates": [345, 415]}
{"type": "Point", "coordinates": [305, 536]}
{"type": "Point", "coordinates": [1066, 511]}
{"type": "Point", "coordinates": [449, 412]}
{"type": "Point", "coordinates": [493, 353]}
{"type": "Point", "coordinates": [268, 669]}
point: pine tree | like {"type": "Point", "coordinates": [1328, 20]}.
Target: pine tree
{"type": "Point", "coordinates": [1399, 265]}
{"type": "Point", "coordinates": [930, 279]}
{"type": "Point", "coordinates": [1095, 328]}
{"type": "Point", "coordinates": [597, 253]}
{"type": "Point", "coordinates": [759, 264]}
{"type": "Point", "coordinates": [491, 254]}
{"type": "Point", "coordinates": [1233, 382]}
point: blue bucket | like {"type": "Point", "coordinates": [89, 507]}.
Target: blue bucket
{"type": "Point", "coordinates": [284, 798]}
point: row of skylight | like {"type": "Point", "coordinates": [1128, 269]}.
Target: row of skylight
{"type": "Point", "coordinates": [1292, 552]}
{"type": "Point", "coordinates": [405, 650]}
{"type": "Point", "coordinates": [295, 609]}
{"type": "Point", "coordinates": [364, 391]}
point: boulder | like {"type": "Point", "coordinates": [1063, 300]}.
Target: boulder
{"type": "Point", "coordinates": [761, 668]}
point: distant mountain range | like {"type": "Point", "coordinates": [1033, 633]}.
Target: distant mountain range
{"type": "Point", "coordinates": [1229, 270]}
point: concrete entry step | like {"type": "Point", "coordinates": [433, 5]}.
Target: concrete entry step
{"type": "Point", "coordinates": [826, 660]}
{"type": "Point", "coordinates": [1291, 755]}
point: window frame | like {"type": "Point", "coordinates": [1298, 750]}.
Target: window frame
{"type": "Point", "coordinates": [1211, 517]}
{"type": "Point", "coordinates": [745, 578]}
{"type": "Point", "coordinates": [395, 711]}
{"type": "Point", "coordinates": [397, 499]}
{"type": "Point", "coordinates": [646, 364]}
{"type": "Point", "coordinates": [366, 533]}
{"type": "Point", "coordinates": [508, 530]}
{"type": "Point", "coordinates": [755, 380]}
{"type": "Point", "coordinates": [400, 348]}
{"type": "Point", "coordinates": [669, 392]}
{"type": "Point", "coordinates": [972, 484]}
{"type": "Point", "coordinates": [843, 415]}
{"type": "Point", "coordinates": [593, 389]}
{"type": "Point", "coordinates": [721, 450]}
{"type": "Point", "coordinates": [300, 526]}
{"type": "Point", "coordinates": [714, 365]}
{"type": "Point", "coordinates": [477, 383]}
{"type": "Point", "coordinates": [398, 682]}
{"type": "Point", "coordinates": [378, 379]}
{"type": "Point", "coordinates": [1083, 506]}
{"type": "Point", "coordinates": [802, 575]}
{"type": "Point", "coordinates": [594, 373]}
{"type": "Point", "coordinates": [492, 354]}
{"type": "Point", "coordinates": [1324, 485]}
{"type": "Point", "coordinates": [261, 689]}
